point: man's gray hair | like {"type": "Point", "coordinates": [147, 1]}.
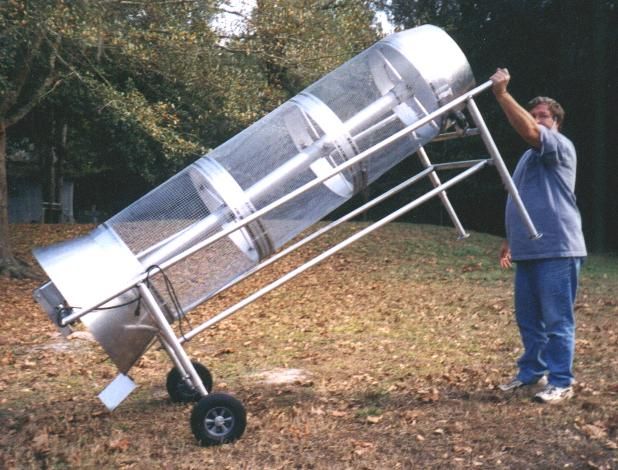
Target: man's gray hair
{"type": "Point", "coordinates": [555, 108]}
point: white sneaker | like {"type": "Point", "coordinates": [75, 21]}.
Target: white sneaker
{"type": "Point", "coordinates": [553, 394]}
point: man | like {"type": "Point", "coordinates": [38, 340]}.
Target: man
{"type": "Point", "coordinates": [547, 270]}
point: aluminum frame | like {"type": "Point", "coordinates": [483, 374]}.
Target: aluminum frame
{"type": "Point", "coordinates": [173, 344]}
{"type": "Point", "coordinates": [465, 99]}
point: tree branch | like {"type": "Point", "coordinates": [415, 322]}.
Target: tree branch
{"type": "Point", "coordinates": [236, 13]}
{"type": "Point", "coordinates": [41, 91]}
{"type": "Point", "coordinates": [22, 74]}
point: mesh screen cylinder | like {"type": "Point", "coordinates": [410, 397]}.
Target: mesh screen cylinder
{"type": "Point", "coordinates": [387, 87]}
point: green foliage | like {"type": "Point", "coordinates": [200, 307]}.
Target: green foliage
{"type": "Point", "coordinates": [148, 86]}
{"type": "Point", "coordinates": [289, 45]}
{"type": "Point", "coordinates": [138, 89]}
{"type": "Point", "coordinates": [117, 74]}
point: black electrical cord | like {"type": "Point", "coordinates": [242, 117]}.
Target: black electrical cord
{"type": "Point", "coordinates": [171, 292]}
{"type": "Point", "coordinates": [63, 311]}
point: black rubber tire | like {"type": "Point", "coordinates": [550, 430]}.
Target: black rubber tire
{"type": "Point", "coordinates": [218, 418]}
{"type": "Point", "coordinates": [180, 392]}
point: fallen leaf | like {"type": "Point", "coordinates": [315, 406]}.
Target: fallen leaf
{"type": "Point", "coordinates": [594, 432]}
{"type": "Point", "coordinates": [611, 445]}
{"type": "Point", "coordinates": [224, 351]}
{"type": "Point", "coordinates": [40, 443]}
{"type": "Point", "coordinates": [120, 445]}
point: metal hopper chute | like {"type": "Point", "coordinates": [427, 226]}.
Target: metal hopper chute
{"type": "Point", "coordinates": [234, 210]}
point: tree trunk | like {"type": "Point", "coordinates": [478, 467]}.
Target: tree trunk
{"type": "Point", "coordinates": [49, 167]}
{"type": "Point", "coordinates": [6, 255]}
{"type": "Point", "coordinates": [62, 153]}
{"type": "Point", "coordinates": [9, 264]}
{"type": "Point", "coordinates": [53, 175]}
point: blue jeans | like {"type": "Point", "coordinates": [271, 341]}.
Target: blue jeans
{"type": "Point", "coordinates": [544, 308]}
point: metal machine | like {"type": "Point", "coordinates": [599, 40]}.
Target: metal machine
{"type": "Point", "coordinates": [234, 210]}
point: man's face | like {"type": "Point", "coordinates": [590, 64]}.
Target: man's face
{"type": "Point", "coordinates": [543, 116]}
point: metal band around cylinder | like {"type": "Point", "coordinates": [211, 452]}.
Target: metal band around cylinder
{"type": "Point", "coordinates": [385, 76]}
{"type": "Point", "coordinates": [443, 66]}
{"type": "Point", "coordinates": [252, 239]}
{"type": "Point", "coordinates": [337, 135]}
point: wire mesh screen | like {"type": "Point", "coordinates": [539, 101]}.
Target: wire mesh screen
{"type": "Point", "coordinates": [354, 109]}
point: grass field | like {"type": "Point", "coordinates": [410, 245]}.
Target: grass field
{"type": "Point", "coordinates": [399, 340]}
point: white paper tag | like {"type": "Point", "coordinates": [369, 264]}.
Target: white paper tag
{"type": "Point", "coordinates": [117, 391]}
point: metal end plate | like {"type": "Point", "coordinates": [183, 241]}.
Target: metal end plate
{"type": "Point", "coordinates": [117, 391]}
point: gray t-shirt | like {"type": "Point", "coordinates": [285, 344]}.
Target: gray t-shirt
{"type": "Point", "coordinates": [545, 179]}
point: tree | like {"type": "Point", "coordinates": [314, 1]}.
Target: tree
{"type": "Point", "coordinates": [288, 45]}
{"type": "Point", "coordinates": [28, 49]}
{"type": "Point", "coordinates": [139, 88]}
{"type": "Point", "coordinates": [65, 57]}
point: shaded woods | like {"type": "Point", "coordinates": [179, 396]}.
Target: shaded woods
{"type": "Point", "coordinates": [557, 48]}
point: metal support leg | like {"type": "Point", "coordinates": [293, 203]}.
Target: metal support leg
{"type": "Point", "coordinates": [502, 170]}
{"type": "Point", "coordinates": [173, 357]}
{"type": "Point", "coordinates": [435, 181]}
{"type": "Point", "coordinates": [170, 340]}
